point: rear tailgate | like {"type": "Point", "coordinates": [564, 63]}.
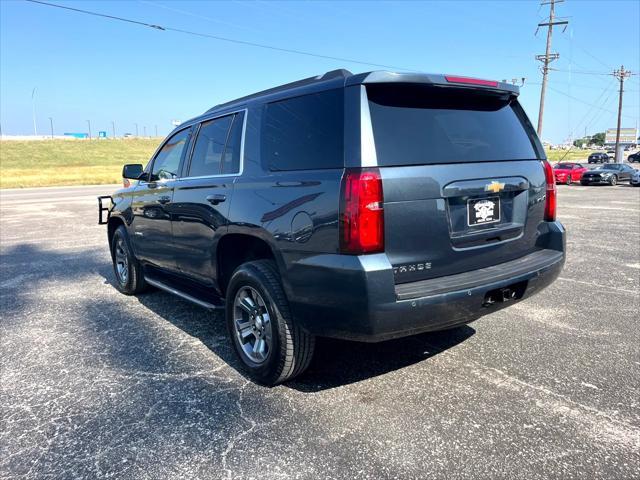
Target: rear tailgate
{"type": "Point", "coordinates": [463, 185]}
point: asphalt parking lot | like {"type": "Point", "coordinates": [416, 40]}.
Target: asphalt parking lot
{"type": "Point", "coordinates": [96, 384]}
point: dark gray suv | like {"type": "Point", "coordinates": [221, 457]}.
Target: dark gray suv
{"type": "Point", "coordinates": [364, 207]}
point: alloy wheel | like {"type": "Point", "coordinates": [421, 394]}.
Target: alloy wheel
{"type": "Point", "coordinates": [252, 325]}
{"type": "Point", "coordinates": [122, 262]}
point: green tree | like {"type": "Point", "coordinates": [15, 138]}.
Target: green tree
{"type": "Point", "coordinates": [598, 138]}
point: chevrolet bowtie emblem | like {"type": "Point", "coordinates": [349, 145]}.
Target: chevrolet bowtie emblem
{"type": "Point", "coordinates": [494, 187]}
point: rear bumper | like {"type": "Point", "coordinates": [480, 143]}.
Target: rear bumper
{"type": "Point", "coordinates": [355, 297]}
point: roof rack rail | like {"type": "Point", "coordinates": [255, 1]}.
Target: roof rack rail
{"type": "Point", "coordinates": [340, 73]}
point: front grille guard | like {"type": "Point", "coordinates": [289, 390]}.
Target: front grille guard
{"type": "Point", "coordinates": [102, 208]}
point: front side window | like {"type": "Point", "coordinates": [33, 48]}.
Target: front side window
{"type": "Point", "coordinates": [304, 133]}
{"type": "Point", "coordinates": [167, 162]}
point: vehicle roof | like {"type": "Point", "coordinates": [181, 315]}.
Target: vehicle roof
{"type": "Point", "coordinates": [342, 78]}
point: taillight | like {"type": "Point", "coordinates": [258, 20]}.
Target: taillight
{"type": "Point", "coordinates": [471, 81]}
{"type": "Point", "coordinates": [551, 193]}
{"type": "Point", "coordinates": [361, 212]}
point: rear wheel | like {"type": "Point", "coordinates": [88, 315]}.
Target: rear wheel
{"type": "Point", "coordinates": [613, 180]}
{"type": "Point", "coordinates": [271, 346]}
{"type": "Point", "coordinates": [128, 271]}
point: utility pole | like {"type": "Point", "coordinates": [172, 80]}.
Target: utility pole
{"type": "Point", "coordinates": [621, 75]}
{"type": "Point", "coordinates": [548, 57]}
{"type": "Point", "coordinates": [136, 129]}
{"type": "Point", "coordinates": [156, 131]}
{"type": "Point", "coordinates": [89, 123]}
{"type": "Point", "coordinates": [144, 131]}
{"type": "Point", "coordinates": [51, 122]}
{"type": "Point", "coordinates": [113, 126]}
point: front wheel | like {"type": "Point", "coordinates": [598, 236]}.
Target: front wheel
{"type": "Point", "coordinates": [128, 271]}
{"type": "Point", "coordinates": [613, 180]}
{"type": "Point", "coordinates": [270, 344]}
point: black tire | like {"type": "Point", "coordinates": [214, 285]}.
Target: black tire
{"type": "Point", "coordinates": [289, 347]}
{"type": "Point", "coordinates": [583, 183]}
{"type": "Point", "coordinates": [131, 282]}
{"type": "Point", "coordinates": [613, 180]}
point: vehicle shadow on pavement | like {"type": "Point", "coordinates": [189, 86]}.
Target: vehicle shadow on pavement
{"type": "Point", "coordinates": [340, 362]}
{"type": "Point", "coordinates": [335, 363]}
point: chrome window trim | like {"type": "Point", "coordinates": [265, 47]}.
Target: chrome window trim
{"type": "Point", "coordinates": [242, 140]}
{"type": "Point", "coordinates": [368, 155]}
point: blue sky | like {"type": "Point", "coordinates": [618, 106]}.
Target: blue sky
{"type": "Point", "coordinates": [89, 68]}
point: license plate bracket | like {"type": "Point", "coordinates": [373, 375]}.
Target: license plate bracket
{"type": "Point", "coordinates": [483, 211]}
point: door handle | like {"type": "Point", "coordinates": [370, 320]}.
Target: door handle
{"type": "Point", "coordinates": [164, 199]}
{"type": "Point", "coordinates": [216, 198]}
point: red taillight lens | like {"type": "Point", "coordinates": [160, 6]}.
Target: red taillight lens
{"type": "Point", "coordinates": [471, 81]}
{"type": "Point", "coordinates": [361, 213]}
{"type": "Point", "coordinates": [551, 193]}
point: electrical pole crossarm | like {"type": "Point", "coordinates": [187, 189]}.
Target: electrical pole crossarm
{"type": "Point", "coordinates": [549, 24]}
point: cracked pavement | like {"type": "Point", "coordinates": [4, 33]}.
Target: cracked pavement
{"type": "Point", "coordinates": [95, 384]}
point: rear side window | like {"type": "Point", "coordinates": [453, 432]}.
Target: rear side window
{"type": "Point", "coordinates": [209, 148]}
{"type": "Point", "coordinates": [415, 124]}
{"type": "Point", "coordinates": [304, 132]}
{"type": "Point", "coordinates": [231, 157]}
{"type": "Point", "coordinates": [218, 147]}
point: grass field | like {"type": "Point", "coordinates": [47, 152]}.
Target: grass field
{"type": "Point", "coordinates": [557, 155]}
{"type": "Point", "coordinates": [32, 163]}
{"type": "Point", "coordinates": [92, 162]}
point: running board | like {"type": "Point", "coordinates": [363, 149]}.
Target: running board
{"type": "Point", "coordinates": [184, 296]}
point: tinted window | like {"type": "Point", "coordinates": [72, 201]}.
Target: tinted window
{"type": "Point", "coordinates": [167, 162]}
{"type": "Point", "coordinates": [209, 147]}
{"type": "Point", "coordinates": [231, 157]}
{"type": "Point", "coordinates": [304, 132]}
{"type": "Point", "coordinates": [564, 166]}
{"type": "Point", "coordinates": [415, 124]}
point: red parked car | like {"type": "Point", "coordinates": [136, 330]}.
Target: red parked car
{"type": "Point", "coordinates": [568, 172]}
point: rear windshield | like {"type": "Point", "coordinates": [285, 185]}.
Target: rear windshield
{"type": "Point", "coordinates": [416, 124]}
{"type": "Point", "coordinates": [564, 166]}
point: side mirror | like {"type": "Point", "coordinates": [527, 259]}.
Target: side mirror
{"type": "Point", "coordinates": [132, 171]}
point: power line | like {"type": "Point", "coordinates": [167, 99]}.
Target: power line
{"type": "Point", "coordinates": [578, 72]}
{"type": "Point", "coordinates": [593, 56]}
{"type": "Point", "coordinates": [217, 37]}
{"type": "Point", "coordinates": [598, 114]}
{"type": "Point", "coordinates": [582, 101]}
{"type": "Point", "coordinates": [575, 129]}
